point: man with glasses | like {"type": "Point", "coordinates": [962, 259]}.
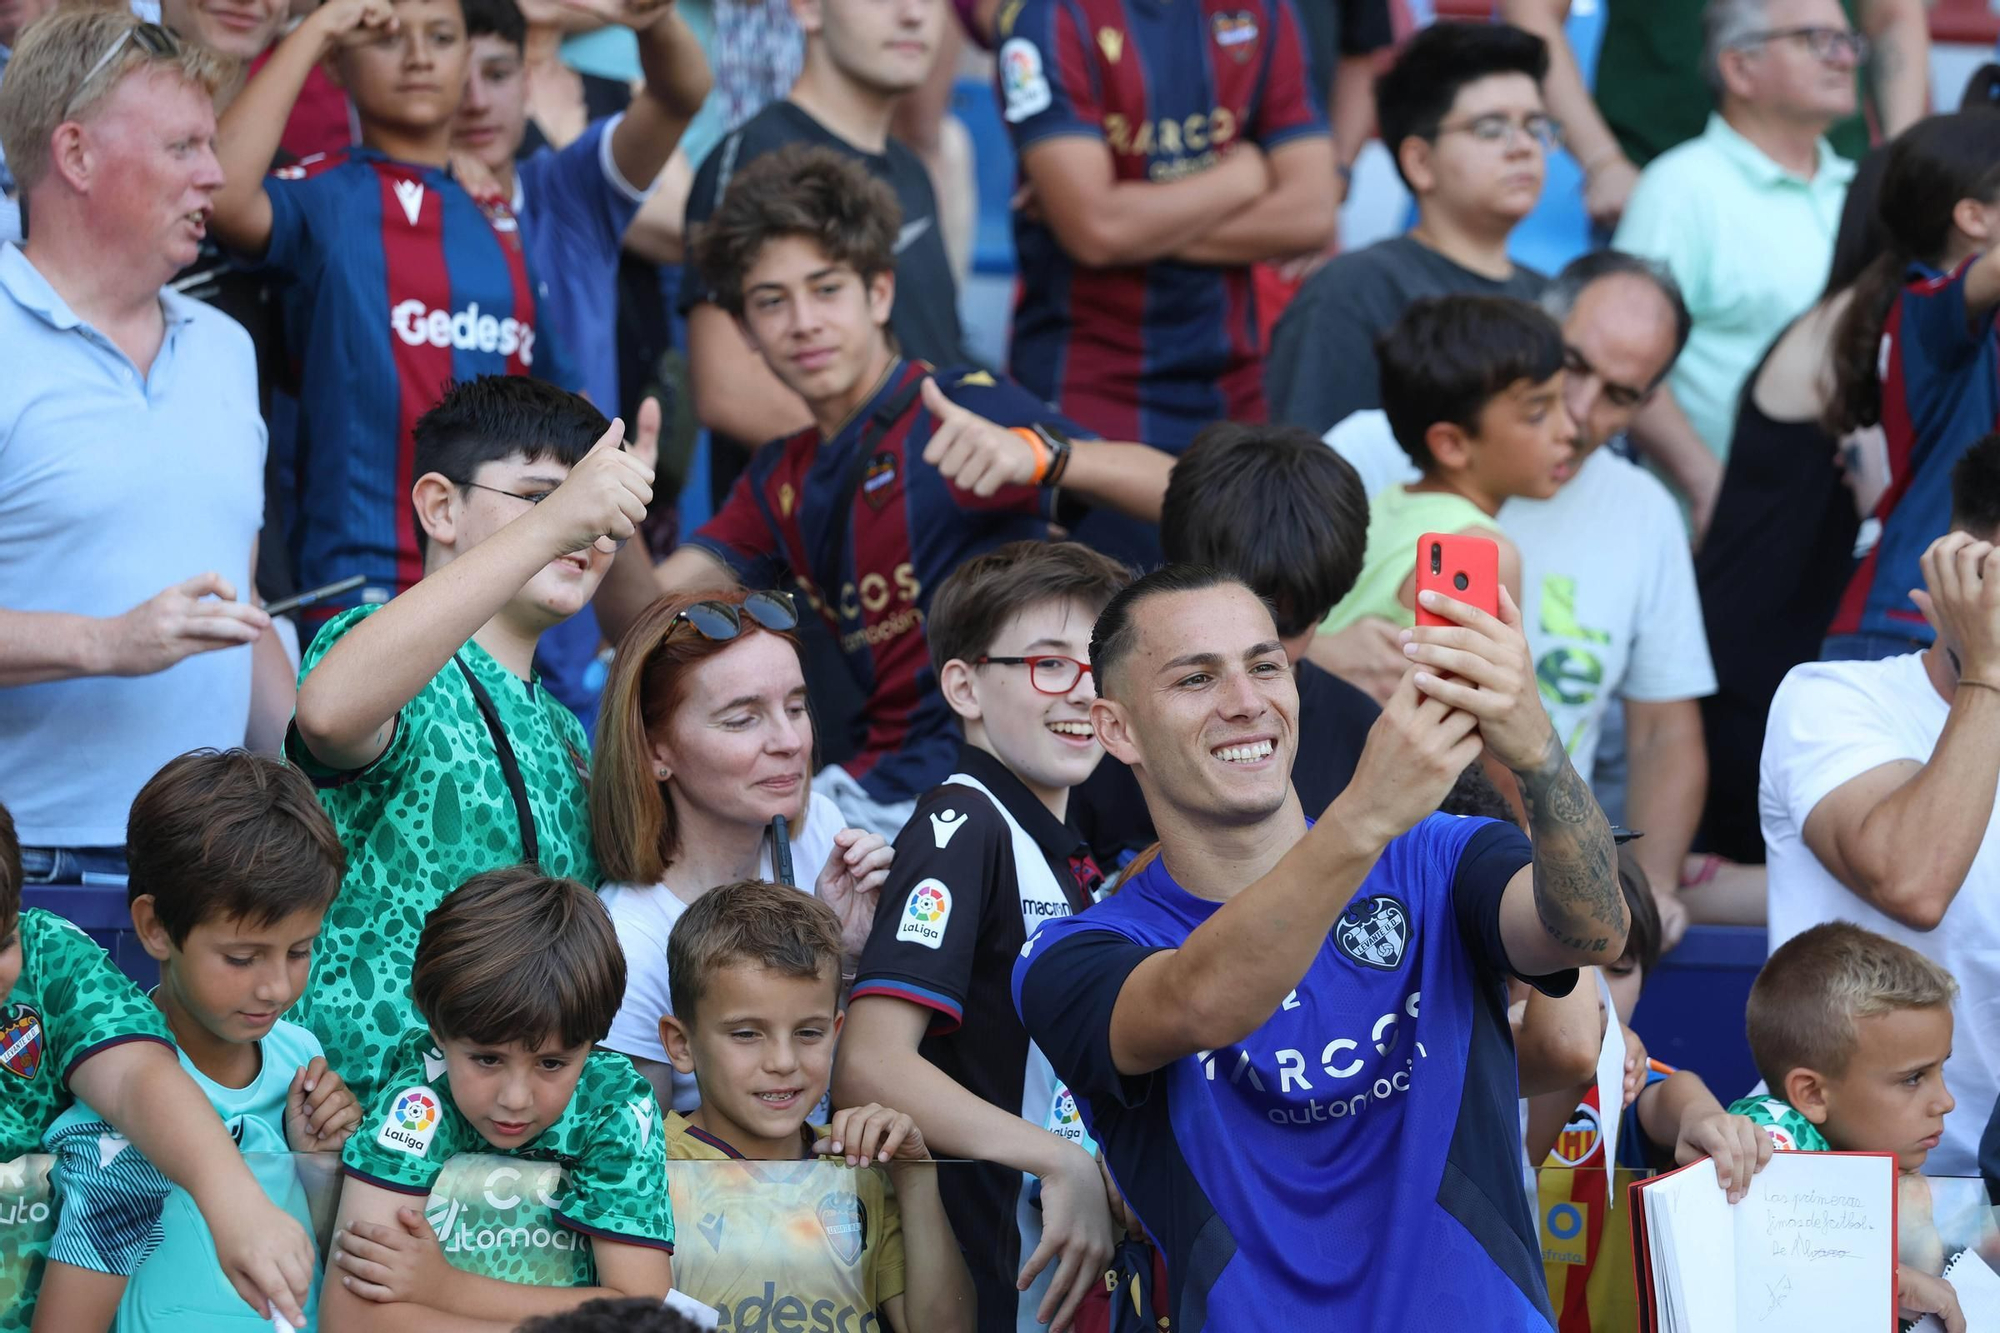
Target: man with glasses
{"type": "Point", "coordinates": [987, 858]}
{"type": "Point", "coordinates": [133, 451]}
{"type": "Point", "coordinates": [1461, 111]}
{"type": "Point", "coordinates": [1744, 216]}
{"type": "Point", "coordinates": [423, 723]}
{"type": "Point", "coordinates": [1165, 151]}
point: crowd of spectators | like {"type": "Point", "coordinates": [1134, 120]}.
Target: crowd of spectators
{"type": "Point", "coordinates": [1063, 765]}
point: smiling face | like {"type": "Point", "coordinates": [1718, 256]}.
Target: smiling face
{"type": "Point", "coordinates": [411, 79]}
{"type": "Point", "coordinates": [493, 118]}
{"type": "Point", "coordinates": [509, 1093]}
{"type": "Point", "coordinates": [239, 28]}
{"type": "Point", "coordinates": [1891, 1097]}
{"type": "Point", "coordinates": [760, 1043]}
{"type": "Point", "coordinates": [818, 324]}
{"type": "Point", "coordinates": [1045, 739]}
{"type": "Point", "coordinates": [473, 513]}
{"type": "Point", "coordinates": [232, 978]}
{"type": "Point", "coordinates": [1204, 706]}
{"type": "Point", "coordinates": [738, 749]}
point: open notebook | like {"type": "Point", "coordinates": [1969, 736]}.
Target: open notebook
{"type": "Point", "coordinates": [1978, 1289]}
{"type": "Point", "coordinates": [1811, 1246]}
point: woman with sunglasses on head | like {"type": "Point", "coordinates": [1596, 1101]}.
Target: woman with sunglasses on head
{"type": "Point", "coordinates": [703, 741]}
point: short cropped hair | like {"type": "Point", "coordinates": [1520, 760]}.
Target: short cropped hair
{"type": "Point", "coordinates": [756, 922]}
{"type": "Point", "coordinates": [1975, 490]}
{"type": "Point", "coordinates": [45, 85]}
{"type": "Point", "coordinates": [226, 835]}
{"type": "Point", "coordinates": [10, 872]}
{"type": "Point", "coordinates": [1274, 506]}
{"type": "Point", "coordinates": [1804, 1004]}
{"type": "Point", "coordinates": [1416, 93]}
{"type": "Point", "coordinates": [1559, 298]}
{"type": "Point", "coordinates": [809, 191]}
{"type": "Point", "coordinates": [613, 1314]}
{"type": "Point", "coordinates": [1449, 356]}
{"type": "Point", "coordinates": [496, 18]}
{"type": "Point", "coordinates": [519, 956]}
{"type": "Point", "coordinates": [982, 594]}
{"type": "Point", "coordinates": [1116, 630]}
{"type": "Point", "coordinates": [493, 418]}
{"type": "Point", "coordinates": [1727, 25]}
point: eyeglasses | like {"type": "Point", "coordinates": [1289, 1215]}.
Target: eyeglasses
{"type": "Point", "coordinates": [1497, 128]}
{"type": "Point", "coordinates": [1049, 673]}
{"type": "Point", "coordinates": [1824, 43]}
{"type": "Point", "coordinates": [532, 497]}
{"type": "Point", "coordinates": [722, 621]}
{"type": "Point", "coordinates": [151, 38]}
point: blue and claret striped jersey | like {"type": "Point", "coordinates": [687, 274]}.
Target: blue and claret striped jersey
{"type": "Point", "coordinates": [399, 283]}
{"type": "Point", "coordinates": [1152, 352]}
{"type": "Point", "coordinates": [1940, 396]}
{"type": "Point", "coordinates": [908, 529]}
{"type": "Point", "coordinates": [1356, 1161]}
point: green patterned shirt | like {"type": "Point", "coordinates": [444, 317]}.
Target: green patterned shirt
{"type": "Point", "coordinates": [1789, 1130]}
{"type": "Point", "coordinates": [431, 812]}
{"type": "Point", "coordinates": [516, 1214]}
{"type": "Point", "coordinates": [70, 1003]}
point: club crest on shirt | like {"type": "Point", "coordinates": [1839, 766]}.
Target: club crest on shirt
{"type": "Point", "coordinates": [21, 1040]}
{"type": "Point", "coordinates": [1580, 1137]}
{"type": "Point", "coordinates": [1235, 33]}
{"type": "Point", "coordinates": [877, 480]}
{"type": "Point", "coordinates": [844, 1218]}
{"type": "Point", "coordinates": [1374, 932]}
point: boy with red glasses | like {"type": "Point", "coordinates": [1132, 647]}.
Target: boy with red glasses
{"type": "Point", "coordinates": [986, 859]}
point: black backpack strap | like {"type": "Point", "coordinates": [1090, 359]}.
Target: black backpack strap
{"type": "Point", "coordinates": [826, 570]}
{"type": "Point", "coordinates": [510, 767]}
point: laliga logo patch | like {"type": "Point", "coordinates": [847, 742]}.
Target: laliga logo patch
{"type": "Point", "coordinates": [1580, 1137]}
{"type": "Point", "coordinates": [411, 1122]}
{"type": "Point", "coordinates": [845, 1220]}
{"type": "Point", "coordinates": [926, 914]}
{"type": "Point", "coordinates": [1374, 932]}
{"type": "Point", "coordinates": [21, 1041]}
{"type": "Point", "coordinates": [1022, 82]}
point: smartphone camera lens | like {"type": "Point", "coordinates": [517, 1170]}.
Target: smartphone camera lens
{"type": "Point", "coordinates": [1437, 557]}
{"type": "Point", "coordinates": [1459, 580]}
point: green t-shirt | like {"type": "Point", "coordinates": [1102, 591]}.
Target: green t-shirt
{"type": "Point", "coordinates": [70, 1003]}
{"type": "Point", "coordinates": [431, 812]}
{"type": "Point", "coordinates": [516, 1214]}
{"type": "Point", "coordinates": [1650, 86]}
{"type": "Point", "coordinates": [1396, 518]}
{"type": "Point", "coordinates": [1788, 1129]}
{"type": "Point", "coordinates": [105, 1185]}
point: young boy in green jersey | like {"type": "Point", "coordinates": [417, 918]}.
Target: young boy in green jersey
{"type": "Point", "coordinates": [73, 1027]}
{"type": "Point", "coordinates": [233, 863]}
{"type": "Point", "coordinates": [1472, 387]}
{"type": "Point", "coordinates": [536, 1159]}
{"type": "Point", "coordinates": [1851, 1031]}
{"type": "Point", "coordinates": [754, 970]}
{"type": "Point", "coordinates": [434, 747]}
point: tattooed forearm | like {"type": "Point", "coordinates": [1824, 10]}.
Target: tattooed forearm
{"type": "Point", "coordinates": [1576, 861]}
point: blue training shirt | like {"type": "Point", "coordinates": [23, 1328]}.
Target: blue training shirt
{"type": "Point", "coordinates": [1354, 1163]}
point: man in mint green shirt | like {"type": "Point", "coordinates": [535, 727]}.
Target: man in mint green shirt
{"type": "Point", "coordinates": [1745, 217]}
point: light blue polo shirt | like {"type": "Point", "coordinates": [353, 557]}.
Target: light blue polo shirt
{"type": "Point", "coordinates": [114, 486]}
{"type": "Point", "coordinates": [1750, 244]}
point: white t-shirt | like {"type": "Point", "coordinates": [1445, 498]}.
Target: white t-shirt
{"type": "Point", "coordinates": [1830, 723]}
{"type": "Point", "coordinates": [1608, 594]}
{"type": "Point", "coordinates": [644, 915]}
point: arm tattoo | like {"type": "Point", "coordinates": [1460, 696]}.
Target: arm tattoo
{"type": "Point", "coordinates": [1576, 861]}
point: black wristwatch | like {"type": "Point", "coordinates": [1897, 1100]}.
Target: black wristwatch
{"type": "Point", "coordinates": [1060, 449]}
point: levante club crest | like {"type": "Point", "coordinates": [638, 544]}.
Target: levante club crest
{"type": "Point", "coordinates": [1374, 932]}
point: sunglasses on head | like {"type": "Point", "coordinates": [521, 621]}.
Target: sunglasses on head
{"type": "Point", "coordinates": [723, 621]}
{"type": "Point", "coordinates": [157, 42]}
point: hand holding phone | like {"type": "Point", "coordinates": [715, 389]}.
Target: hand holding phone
{"type": "Point", "coordinates": [1461, 567]}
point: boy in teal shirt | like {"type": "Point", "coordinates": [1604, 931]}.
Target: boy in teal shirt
{"type": "Point", "coordinates": [233, 864]}
{"type": "Point", "coordinates": [538, 1158]}
{"type": "Point", "coordinates": [1851, 1031]}
{"type": "Point", "coordinates": [435, 748]}
{"type": "Point", "coordinates": [1472, 387]}
{"type": "Point", "coordinates": [73, 1027]}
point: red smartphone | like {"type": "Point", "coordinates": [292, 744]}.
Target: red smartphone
{"type": "Point", "coordinates": [1460, 567]}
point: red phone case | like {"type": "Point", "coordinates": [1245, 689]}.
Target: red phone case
{"type": "Point", "coordinates": [1461, 567]}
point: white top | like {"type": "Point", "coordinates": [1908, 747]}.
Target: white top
{"type": "Point", "coordinates": [1608, 594]}
{"type": "Point", "coordinates": [644, 915]}
{"type": "Point", "coordinates": [1830, 723]}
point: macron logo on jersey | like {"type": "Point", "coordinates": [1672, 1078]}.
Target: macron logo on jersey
{"type": "Point", "coordinates": [410, 194]}
{"type": "Point", "coordinates": [467, 330]}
